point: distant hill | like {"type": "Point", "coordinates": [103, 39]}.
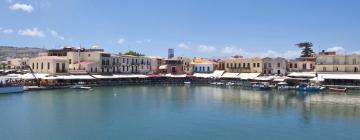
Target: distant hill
{"type": "Point", "coordinates": [19, 52]}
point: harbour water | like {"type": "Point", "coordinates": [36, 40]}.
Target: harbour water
{"type": "Point", "coordinates": [178, 113]}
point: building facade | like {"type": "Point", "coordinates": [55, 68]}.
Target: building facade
{"type": "Point", "coordinates": [238, 64]}
{"type": "Point", "coordinates": [49, 64]}
{"type": "Point", "coordinates": [338, 63]}
{"type": "Point", "coordinates": [302, 64]}
{"type": "Point", "coordinates": [274, 66]}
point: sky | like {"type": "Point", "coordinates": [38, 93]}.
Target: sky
{"type": "Point", "coordinates": [194, 28]}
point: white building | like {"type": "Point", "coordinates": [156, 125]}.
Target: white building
{"type": "Point", "coordinates": [274, 66]}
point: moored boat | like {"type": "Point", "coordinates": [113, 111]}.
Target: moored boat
{"type": "Point", "coordinates": [11, 89]}
{"type": "Point", "coordinates": [308, 88]}
{"type": "Point", "coordinates": [338, 89]}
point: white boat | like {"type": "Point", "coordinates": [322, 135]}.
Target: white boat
{"type": "Point", "coordinates": [80, 87]}
{"type": "Point", "coordinates": [230, 83]}
{"type": "Point", "coordinates": [187, 82]}
{"type": "Point", "coordinates": [11, 89]}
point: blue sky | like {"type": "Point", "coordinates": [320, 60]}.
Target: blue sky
{"type": "Point", "coordinates": [213, 28]}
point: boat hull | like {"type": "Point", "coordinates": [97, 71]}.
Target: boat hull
{"type": "Point", "coordinates": [15, 89]}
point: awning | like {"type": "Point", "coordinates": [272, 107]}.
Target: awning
{"type": "Point", "coordinates": [230, 75]}
{"type": "Point", "coordinates": [246, 76]}
{"type": "Point", "coordinates": [264, 78]}
{"type": "Point", "coordinates": [339, 76]}
{"type": "Point", "coordinates": [176, 76]}
{"type": "Point", "coordinates": [163, 67]}
{"type": "Point", "coordinates": [218, 73]}
{"type": "Point", "coordinates": [302, 74]}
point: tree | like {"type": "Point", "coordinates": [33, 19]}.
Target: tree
{"type": "Point", "coordinates": [133, 53]}
{"type": "Point", "coordinates": [307, 49]}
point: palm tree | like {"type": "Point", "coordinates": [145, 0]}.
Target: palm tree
{"type": "Point", "coordinates": [307, 49]}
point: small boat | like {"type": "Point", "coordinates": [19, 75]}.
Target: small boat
{"type": "Point", "coordinates": [282, 86]}
{"type": "Point", "coordinates": [308, 88]}
{"type": "Point", "coordinates": [187, 82]}
{"type": "Point", "coordinates": [230, 83]}
{"type": "Point", "coordinates": [81, 87]}
{"type": "Point", "coordinates": [261, 86]}
{"type": "Point", "coordinates": [338, 89]}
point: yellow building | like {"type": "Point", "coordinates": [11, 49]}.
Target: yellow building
{"type": "Point", "coordinates": [238, 64]}
{"type": "Point", "coordinates": [49, 64]}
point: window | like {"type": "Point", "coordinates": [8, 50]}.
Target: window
{"type": "Point", "coordinates": [324, 68]}
{"type": "Point", "coordinates": [231, 65]}
{"type": "Point", "coordinates": [33, 65]}
{"type": "Point", "coordinates": [227, 65]}
{"type": "Point", "coordinates": [354, 61]}
{"type": "Point", "coordinates": [304, 66]}
{"type": "Point", "coordinates": [63, 67]}
{"type": "Point", "coordinates": [69, 61]}
{"type": "Point", "coordinates": [89, 55]}
{"type": "Point", "coordinates": [269, 65]}
{"type": "Point", "coordinates": [254, 65]}
{"type": "Point", "coordinates": [265, 66]}
{"type": "Point", "coordinates": [244, 65]}
{"type": "Point", "coordinates": [208, 68]}
{"type": "Point", "coordinates": [258, 64]}
{"type": "Point", "coordinates": [336, 68]}
{"type": "Point", "coordinates": [248, 65]}
{"type": "Point", "coordinates": [278, 65]}
{"type": "Point", "coordinates": [37, 65]}
{"type": "Point", "coordinates": [48, 66]}
{"type": "Point", "coordinates": [295, 65]}
{"type": "Point", "coordinates": [356, 69]}
{"type": "Point", "coordinates": [42, 65]}
{"type": "Point", "coordinates": [291, 65]}
{"type": "Point", "coordinates": [91, 69]}
{"type": "Point", "coordinates": [123, 60]}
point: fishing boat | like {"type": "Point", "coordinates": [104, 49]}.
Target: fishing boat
{"type": "Point", "coordinates": [282, 86]}
{"type": "Point", "coordinates": [338, 89]}
{"type": "Point", "coordinates": [308, 88]}
{"type": "Point", "coordinates": [81, 87]}
{"type": "Point", "coordinates": [261, 86]}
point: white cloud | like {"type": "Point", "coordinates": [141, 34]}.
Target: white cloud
{"type": "Point", "coordinates": [56, 35]}
{"type": "Point", "coordinates": [206, 49]}
{"type": "Point", "coordinates": [34, 32]}
{"type": "Point", "coordinates": [143, 41]}
{"type": "Point", "coordinates": [121, 41]}
{"type": "Point", "coordinates": [6, 31]}
{"type": "Point", "coordinates": [183, 46]}
{"type": "Point", "coordinates": [21, 6]}
{"type": "Point", "coordinates": [337, 49]}
{"type": "Point", "coordinates": [231, 50]}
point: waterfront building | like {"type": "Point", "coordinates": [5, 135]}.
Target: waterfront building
{"type": "Point", "coordinates": [186, 62]}
{"type": "Point", "coordinates": [49, 64]}
{"type": "Point", "coordinates": [338, 63]}
{"type": "Point", "coordinates": [172, 66]}
{"type": "Point", "coordinates": [302, 64]}
{"type": "Point", "coordinates": [16, 63]}
{"type": "Point", "coordinates": [155, 63]}
{"type": "Point", "coordinates": [239, 64]}
{"type": "Point", "coordinates": [274, 66]}
{"type": "Point", "coordinates": [136, 64]}
{"type": "Point", "coordinates": [202, 65]}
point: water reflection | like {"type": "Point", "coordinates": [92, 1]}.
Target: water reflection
{"type": "Point", "coordinates": [308, 106]}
